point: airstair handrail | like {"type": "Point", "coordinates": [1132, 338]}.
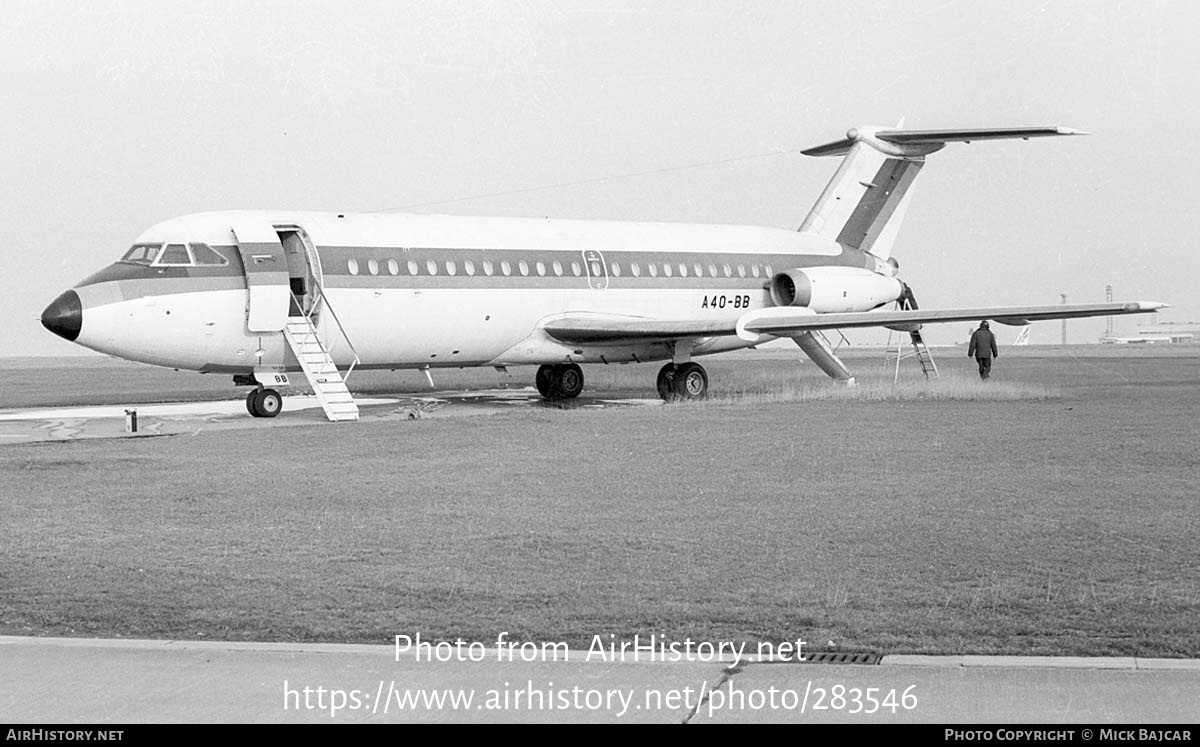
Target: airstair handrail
{"type": "Point", "coordinates": [336, 320]}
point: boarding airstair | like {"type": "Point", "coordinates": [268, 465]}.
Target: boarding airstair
{"type": "Point", "coordinates": [920, 349]}
{"type": "Point", "coordinates": [322, 373]}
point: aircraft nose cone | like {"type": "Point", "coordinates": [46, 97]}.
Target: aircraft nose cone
{"type": "Point", "coordinates": [64, 316]}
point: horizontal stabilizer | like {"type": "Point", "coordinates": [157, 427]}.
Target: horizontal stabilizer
{"type": "Point", "coordinates": [932, 138]}
{"type": "Point", "coordinates": [966, 136]}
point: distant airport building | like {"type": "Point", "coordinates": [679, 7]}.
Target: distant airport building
{"type": "Point", "coordinates": [1178, 334]}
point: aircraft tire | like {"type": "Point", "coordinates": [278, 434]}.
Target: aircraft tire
{"type": "Point", "coordinates": [691, 381]}
{"type": "Point", "coordinates": [544, 381]}
{"type": "Point", "coordinates": [252, 402]}
{"type": "Point", "coordinates": [568, 381]}
{"type": "Point", "coordinates": [269, 403]}
{"type": "Point", "coordinates": [665, 383]}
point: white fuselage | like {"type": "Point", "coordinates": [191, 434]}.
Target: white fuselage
{"type": "Point", "coordinates": [410, 291]}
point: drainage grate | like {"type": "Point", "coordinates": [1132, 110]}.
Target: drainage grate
{"type": "Point", "coordinates": [828, 657]}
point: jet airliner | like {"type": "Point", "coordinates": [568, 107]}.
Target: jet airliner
{"type": "Point", "coordinates": [261, 295]}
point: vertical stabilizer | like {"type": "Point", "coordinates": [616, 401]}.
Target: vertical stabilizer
{"type": "Point", "coordinates": [865, 202]}
{"type": "Point", "coordinates": [868, 194]}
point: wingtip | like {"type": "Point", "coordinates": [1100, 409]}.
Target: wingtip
{"type": "Point", "coordinates": [1070, 131]}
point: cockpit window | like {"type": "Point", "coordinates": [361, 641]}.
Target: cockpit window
{"type": "Point", "coordinates": [206, 255]}
{"type": "Point", "coordinates": [174, 254]}
{"type": "Point", "coordinates": [142, 254]}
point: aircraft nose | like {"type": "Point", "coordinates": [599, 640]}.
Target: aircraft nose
{"type": "Point", "coordinates": [64, 316]}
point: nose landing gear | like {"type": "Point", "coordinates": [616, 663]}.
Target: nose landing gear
{"type": "Point", "coordinates": [264, 403]}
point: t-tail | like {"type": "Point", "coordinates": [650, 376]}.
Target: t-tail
{"type": "Point", "coordinates": [863, 205]}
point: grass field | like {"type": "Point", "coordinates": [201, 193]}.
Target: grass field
{"type": "Point", "coordinates": [1060, 518]}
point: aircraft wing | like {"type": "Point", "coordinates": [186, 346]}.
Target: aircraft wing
{"type": "Point", "coordinates": [599, 329]}
{"type": "Point", "coordinates": [594, 329]}
{"type": "Point", "coordinates": [785, 320]}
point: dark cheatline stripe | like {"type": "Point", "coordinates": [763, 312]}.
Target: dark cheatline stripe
{"type": "Point", "coordinates": [134, 289]}
{"type": "Point", "coordinates": [879, 202]}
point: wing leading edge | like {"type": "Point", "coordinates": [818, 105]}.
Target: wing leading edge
{"type": "Point", "coordinates": [783, 321]}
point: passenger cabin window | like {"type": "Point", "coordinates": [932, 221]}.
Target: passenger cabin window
{"type": "Point", "coordinates": [142, 254]}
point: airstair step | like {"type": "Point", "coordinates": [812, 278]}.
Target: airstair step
{"type": "Point", "coordinates": [320, 370]}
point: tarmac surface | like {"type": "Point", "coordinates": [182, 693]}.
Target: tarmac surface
{"type": "Point", "coordinates": [65, 423]}
{"type": "Point", "coordinates": [74, 680]}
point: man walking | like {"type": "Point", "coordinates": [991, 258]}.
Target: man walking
{"type": "Point", "coordinates": [983, 349]}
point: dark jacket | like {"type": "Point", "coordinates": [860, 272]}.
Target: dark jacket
{"type": "Point", "coordinates": [983, 344]}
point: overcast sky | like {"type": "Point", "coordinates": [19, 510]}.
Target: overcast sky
{"type": "Point", "coordinates": [121, 114]}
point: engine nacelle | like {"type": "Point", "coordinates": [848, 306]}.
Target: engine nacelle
{"type": "Point", "coordinates": [834, 289]}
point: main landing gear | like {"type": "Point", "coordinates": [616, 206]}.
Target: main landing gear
{"type": "Point", "coordinates": [264, 403]}
{"type": "Point", "coordinates": [565, 381]}
{"type": "Point", "coordinates": [685, 381]}
{"type": "Point", "coordinates": [560, 381]}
